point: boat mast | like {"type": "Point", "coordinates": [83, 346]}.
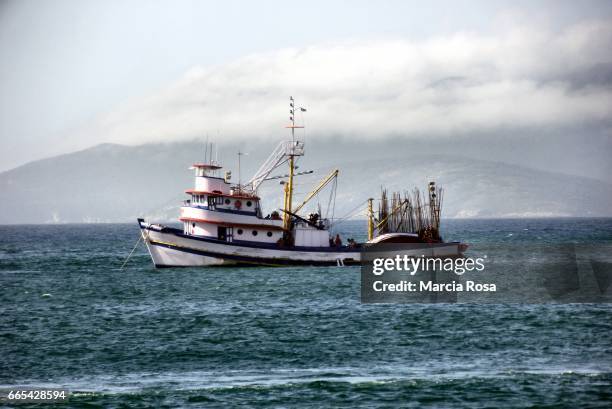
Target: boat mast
{"type": "Point", "coordinates": [239, 176]}
{"type": "Point", "coordinates": [291, 153]}
{"type": "Point", "coordinates": [289, 185]}
{"type": "Point", "coordinates": [370, 220]}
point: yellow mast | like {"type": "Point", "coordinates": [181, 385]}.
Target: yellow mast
{"type": "Point", "coordinates": [370, 220]}
{"type": "Point", "coordinates": [291, 153]}
{"type": "Point", "coordinates": [286, 191]}
{"type": "Point", "coordinates": [288, 195]}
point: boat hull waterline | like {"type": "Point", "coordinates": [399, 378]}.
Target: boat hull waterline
{"type": "Point", "coordinates": [170, 247]}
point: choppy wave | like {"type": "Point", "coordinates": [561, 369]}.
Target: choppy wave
{"type": "Point", "coordinates": [286, 337]}
{"type": "Point", "coordinates": [230, 379]}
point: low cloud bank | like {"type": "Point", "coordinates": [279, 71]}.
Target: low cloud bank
{"type": "Point", "coordinates": [522, 78]}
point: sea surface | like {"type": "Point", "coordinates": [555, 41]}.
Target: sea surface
{"type": "Point", "coordinates": [284, 337]}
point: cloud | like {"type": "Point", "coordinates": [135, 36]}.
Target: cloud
{"type": "Point", "coordinates": [523, 77]}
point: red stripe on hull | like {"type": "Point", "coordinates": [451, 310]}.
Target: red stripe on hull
{"type": "Point", "coordinates": [229, 224]}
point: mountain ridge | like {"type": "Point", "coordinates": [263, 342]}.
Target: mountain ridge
{"type": "Point", "coordinates": [117, 183]}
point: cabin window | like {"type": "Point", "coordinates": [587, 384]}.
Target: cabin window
{"type": "Point", "coordinates": [254, 232]}
{"type": "Point", "coordinates": [269, 234]}
{"type": "Point", "coordinates": [227, 201]}
{"type": "Point", "coordinates": [239, 231]}
{"type": "Point", "coordinates": [222, 233]}
{"type": "Point", "coordinates": [249, 204]}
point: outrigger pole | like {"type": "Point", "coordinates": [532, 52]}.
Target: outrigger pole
{"type": "Point", "coordinates": [317, 189]}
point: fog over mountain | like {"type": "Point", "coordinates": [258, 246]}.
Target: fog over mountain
{"type": "Point", "coordinates": [115, 183]}
{"type": "Point", "coordinates": [523, 92]}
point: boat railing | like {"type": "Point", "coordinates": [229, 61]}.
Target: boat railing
{"type": "Point", "coordinates": [295, 148]}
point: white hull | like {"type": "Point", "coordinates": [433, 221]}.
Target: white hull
{"type": "Point", "coordinates": [168, 247]}
{"type": "Point", "coordinates": [167, 257]}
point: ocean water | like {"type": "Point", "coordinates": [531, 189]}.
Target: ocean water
{"type": "Point", "coordinates": [284, 337]}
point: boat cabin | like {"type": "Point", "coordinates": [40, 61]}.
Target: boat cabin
{"type": "Point", "coordinates": [219, 210]}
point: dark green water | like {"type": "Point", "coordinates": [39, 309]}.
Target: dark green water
{"type": "Point", "coordinates": [283, 337]}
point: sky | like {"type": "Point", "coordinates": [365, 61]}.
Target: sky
{"type": "Point", "coordinates": [74, 74]}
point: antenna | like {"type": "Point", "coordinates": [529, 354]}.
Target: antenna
{"type": "Point", "coordinates": [292, 118]}
{"type": "Point", "coordinates": [239, 179]}
{"type": "Point", "coordinates": [206, 149]}
{"type": "Point", "coordinates": [217, 147]}
{"type": "Point", "coordinates": [292, 110]}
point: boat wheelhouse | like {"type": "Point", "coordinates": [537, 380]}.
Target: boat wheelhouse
{"type": "Point", "coordinates": [218, 209]}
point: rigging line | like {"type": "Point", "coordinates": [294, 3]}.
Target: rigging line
{"type": "Point", "coordinates": [339, 220]}
{"type": "Point", "coordinates": [163, 206]}
{"type": "Point", "coordinates": [131, 252]}
{"type": "Point", "coordinates": [334, 193]}
{"type": "Point", "coordinates": [344, 219]}
{"type": "Point", "coordinates": [329, 203]}
{"type": "Point", "coordinates": [358, 213]}
{"type": "Point", "coordinates": [303, 125]}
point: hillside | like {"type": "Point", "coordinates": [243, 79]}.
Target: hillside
{"type": "Point", "coordinates": [115, 183]}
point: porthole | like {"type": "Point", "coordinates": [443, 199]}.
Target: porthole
{"type": "Point", "coordinates": [269, 234]}
{"type": "Point", "coordinates": [249, 203]}
{"type": "Point", "coordinates": [254, 232]}
{"type": "Point", "coordinates": [227, 201]}
{"type": "Point", "coordinates": [193, 225]}
{"type": "Point", "coordinates": [239, 231]}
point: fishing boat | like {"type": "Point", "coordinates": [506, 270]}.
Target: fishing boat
{"type": "Point", "coordinates": [223, 222]}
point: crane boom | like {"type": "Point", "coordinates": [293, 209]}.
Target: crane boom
{"type": "Point", "coordinates": [317, 189]}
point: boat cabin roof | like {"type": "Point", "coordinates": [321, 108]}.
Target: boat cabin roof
{"type": "Point", "coordinates": [219, 193]}
{"type": "Point", "coordinates": [205, 166]}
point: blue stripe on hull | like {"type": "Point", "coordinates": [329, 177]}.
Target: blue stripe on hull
{"type": "Point", "coordinates": [251, 244]}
